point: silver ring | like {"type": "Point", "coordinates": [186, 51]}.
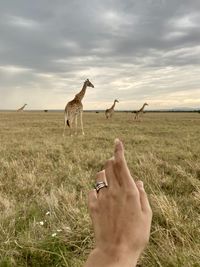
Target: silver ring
{"type": "Point", "coordinates": [100, 185]}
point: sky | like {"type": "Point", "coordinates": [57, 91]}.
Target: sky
{"type": "Point", "coordinates": [135, 51]}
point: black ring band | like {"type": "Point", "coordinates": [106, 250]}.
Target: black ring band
{"type": "Point", "coordinates": [100, 185]}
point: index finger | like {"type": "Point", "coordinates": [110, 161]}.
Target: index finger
{"type": "Point", "coordinates": [121, 167]}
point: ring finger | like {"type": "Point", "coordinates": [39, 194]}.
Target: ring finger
{"type": "Point", "coordinates": [101, 178]}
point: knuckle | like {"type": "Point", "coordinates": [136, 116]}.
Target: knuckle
{"type": "Point", "coordinates": [131, 193]}
{"type": "Point", "coordinates": [118, 163]}
{"type": "Point", "coordinates": [100, 174]}
{"type": "Point", "coordinates": [103, 195]}
{"type": "Point", "coordinates": [109, 163]}
{"type": "Point", "coordinates": [114, 195]}
{"type": "Point", "coordinates": [93, 207]}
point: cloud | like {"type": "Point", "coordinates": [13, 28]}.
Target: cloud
{"type": "Point", "coordinates": [13, 69]}
{"type": "Point", "coordinates": [21, 22]}
{"type": "Point", "coordinates": [132, 50]}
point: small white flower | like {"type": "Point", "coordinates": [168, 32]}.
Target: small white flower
{"type": "Point", "coordinates": [48, 213]}
{"type": "Point", "coordinates": [54, 234]}
{"type": "Point", "coordinates": [59, 230]}
{"type": "Point", "coordinates": [41, 223]}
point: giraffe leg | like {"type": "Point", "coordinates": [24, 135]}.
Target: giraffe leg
{"type": "Point", "coordinates": [81, 118]}
{"type": "Point", "coordinates": [69, 118]}
{"type": "Point", "coordinates": [71, 123]}
{"type": "Point", "coordinates": [76, 124]}
{"type": "Point", "coordinates": [141, 116]}
{"type": "Point", "coordinates": [65, 123]}
{"type": "Point", "coordinates": [136, 116]}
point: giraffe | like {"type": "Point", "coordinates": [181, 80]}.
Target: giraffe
{"type": "Point", "coordinates": [139, 112]}
{"type": "Point", "coordinates": [75, 107]}
{"type": "Point", "coordinates": [22, 108]}
{"type": "Point", "coordinates": [109, 112]}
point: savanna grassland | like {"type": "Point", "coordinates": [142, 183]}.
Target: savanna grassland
{"type": "Point", "coordinates": [45, 177]}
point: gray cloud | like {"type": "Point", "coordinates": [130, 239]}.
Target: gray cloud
{"type": "Point", "coordinates": [133, 50]}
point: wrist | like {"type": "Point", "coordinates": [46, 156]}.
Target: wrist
{"type": "Point", "coordinates": [112, 258]}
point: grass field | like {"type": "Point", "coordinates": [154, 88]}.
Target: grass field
{"type": "Point", "coordinates": [44, 180]}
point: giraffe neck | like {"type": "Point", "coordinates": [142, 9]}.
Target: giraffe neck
{"type": "Point", "coordinates": [22, 107]}
{"type": "Point", "coordinates": [81, 94]}
{"type": "Point", "coordinates": [113, 105]}
{"type": "Point", "coordinates": [142, 108]}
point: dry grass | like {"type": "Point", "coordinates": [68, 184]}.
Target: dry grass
{"type": "Point", "coordinates": [40, 172]}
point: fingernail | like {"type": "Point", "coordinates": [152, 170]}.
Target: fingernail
{"type": "Point", "coordinates": [117, 141]}
{"type": "Point", "coordinates": [140, 184]}
{"type": "Point", "coordinates": [119, 146]}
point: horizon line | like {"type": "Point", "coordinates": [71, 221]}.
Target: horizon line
{"type": "Point", "coordinates": [119, 110]}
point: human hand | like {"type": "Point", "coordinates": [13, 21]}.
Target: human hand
{"type": "Point", "coordinates": [120, 213]}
